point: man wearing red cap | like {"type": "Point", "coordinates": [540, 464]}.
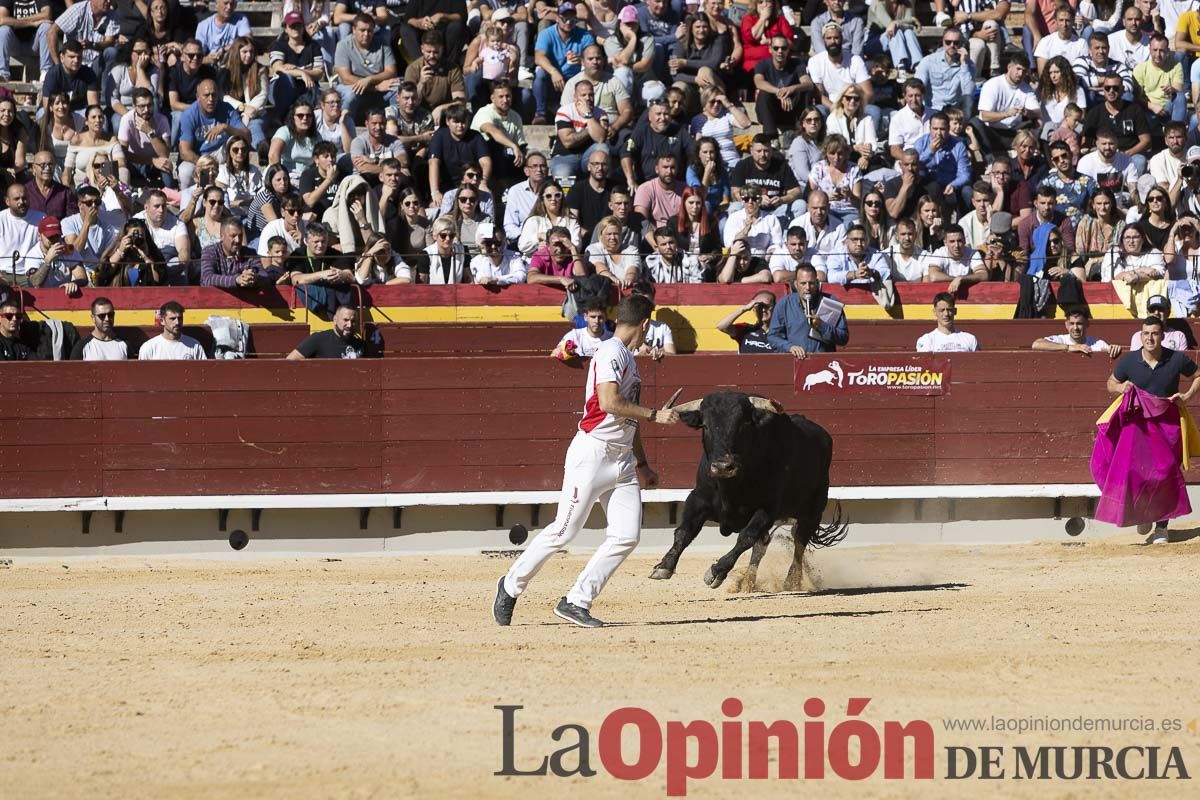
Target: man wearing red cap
{"type": "Point", "coordinates": [51, 261]}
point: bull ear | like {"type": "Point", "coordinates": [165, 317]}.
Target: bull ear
{"type": "Point", "coordinates": [693, 419]}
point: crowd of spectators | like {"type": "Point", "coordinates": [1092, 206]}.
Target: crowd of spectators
{"type": "Point", "coordinates": [397, 141]}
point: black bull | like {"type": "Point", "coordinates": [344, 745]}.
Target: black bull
{"type": "Point", "coordinates": [760, 466]}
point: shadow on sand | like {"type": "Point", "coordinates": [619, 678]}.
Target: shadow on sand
{"type": "Point", "coordinates": [847, 591]}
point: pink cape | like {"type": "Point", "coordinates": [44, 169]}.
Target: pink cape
{"type": "Point", "coordinates": [1137, 461]}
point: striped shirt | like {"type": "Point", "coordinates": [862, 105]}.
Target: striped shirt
{"type": "Point", "coordinates": [1090, 75]}
{"type": "Point", "coordinates": [78, 23]}
{"type": "Point", "coordinates": [973, 7]}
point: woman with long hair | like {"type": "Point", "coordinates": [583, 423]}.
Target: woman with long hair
{"type": "Point", "coordinates": [159, 28]}
{"type": "Point", "coordinates": [265, 206]}
{"type": "Point", "coordinates": [240, 179]}
{"type": "Point", "coordinates": [409, 231]}
{"type": "Point", "coordinates": [549, 211]}
{"type": "Point", "coordinates": [599, 17]}
{"type": "Point", "coordinates": [1134, 262]}
{"type": "Point", "coordinates": [839, 178]}
{"type": "Point", "coordinates": [12, 144]}
{"type": "Point", "coordinates": [208, 225]}
{"type": "Point", "coordinates": [59, 130]}
{"type": "Point", "coordinates": [805, 149]}
{"type": "Point", "coordinates": [630, 52]}
{"type": "Point", "coordinates": [191, 199]}
{"type": "Point", "coordinates": [757, 29]}
{"type": "Point", "coordinates": [699, 54]}
{"type": "Point", "coordinates": [466, 215]}
{"type": "Point", "coordinates": [1050, 257]}
{"type": "Point", "coordinates": [1157, 217]}
{"type": "Point", "coordinates": [297, 67]}
{"type": "Point", "coordinates": [718, 119]}
{"type": "Point", "coordinates": [695, 229]}
{"type": "Point", "coordinates": [850, 121]}
{"type": "Point", "coordinates": [707, 172]}
{"type": "Point", "coordinates": [999, 257]}
{"type": "Point", "coordinates": [245, 83]}
{"type": "Point", "coordinates": [607, 256]}
{"type": "Point", "coordinates": [1098, 232]}
{"type": "Point", "coordinates": [874, 219]}
{"type": "Point", "coordinates": [1182, 259]}
{"type": "Point", "coordinates": [929, 222]}
{"type": "Point", "coordinates": [102, 174]}
{"type": "Point", "coordinates": [293, 143]}
{"type": "Point", "coordinates": [377, 263]}
{"type": "Point", "coordinates": [132, 259]}
{"type": "Point", "coordinates": [724, 28]}
{"type": "Point", "coordinates": [94, 139]}
{"type": "Point", "coordinates": [1058, 87]}
{"type": "Point", "coordinates": [134, 69]}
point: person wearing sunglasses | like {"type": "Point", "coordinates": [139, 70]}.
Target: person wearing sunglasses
{"type": "Point", "coordinates": [949, 75]}
{"type": "Point", "coordinates": [93, 228]}
{"type": "Point", "coordinates": [11, 347]}
{"type": "Point", "coordinates": [184, 79]}
{"type": "Point", "coordinates": [496, 265]}
{"type": "Point", "coordinates": [1127, 123]}
{"type": "Point", "coordinates": [101, 344]}
{"type": "Point", "coordinates": [780, 80]}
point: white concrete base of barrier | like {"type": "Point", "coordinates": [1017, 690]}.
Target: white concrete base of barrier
{"type": "Point", "coordinates": [474, 522]}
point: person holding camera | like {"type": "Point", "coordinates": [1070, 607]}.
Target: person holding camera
{"type": "Point", "coordinates": [133, 259]}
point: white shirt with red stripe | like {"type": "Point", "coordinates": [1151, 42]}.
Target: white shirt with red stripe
{"type": "Point", "coordinates": [613, 363]}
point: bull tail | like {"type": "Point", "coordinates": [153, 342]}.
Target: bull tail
{"type": "Point", "coordinates": [831, 534]}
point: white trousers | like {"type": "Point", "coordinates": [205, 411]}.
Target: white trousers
{"type": "Point", "coordinates": [594, 472]}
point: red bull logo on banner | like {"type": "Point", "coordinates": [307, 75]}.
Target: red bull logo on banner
{"type": "Point", "coordinates": [924, 375]}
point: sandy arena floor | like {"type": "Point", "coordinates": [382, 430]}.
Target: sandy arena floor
{"type": "Point", "coordinates": [377, 677]}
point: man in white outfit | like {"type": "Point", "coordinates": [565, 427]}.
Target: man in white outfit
{"type": "Point", "coordinates": [602, 465]}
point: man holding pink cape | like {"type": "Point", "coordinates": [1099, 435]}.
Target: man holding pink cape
{"type": "Point", "coordinates": [1143, 439]}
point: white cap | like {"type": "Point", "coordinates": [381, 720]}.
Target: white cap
{"type": "Point", "coordinates": [485, 231]}
{"type": "Point", "coordinates": [1193, 155]}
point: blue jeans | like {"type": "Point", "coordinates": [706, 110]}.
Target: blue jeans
{"type": "Point", "coordinates": [545, 96]}
{"type": "Point", "coordinates": [359, 104]}
{"type": "Point", "coordinates": [11, 44]}
{"type": "Point", "coordinates": [285, 91]}
{"type": "Point", "coordinates": [904, 48]}
{"type": "Point", "coordinates": [571, 165]}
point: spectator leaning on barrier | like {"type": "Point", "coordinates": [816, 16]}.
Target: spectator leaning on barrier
{"type": "Point", "coordinates": [172, 344]}
{"type": "Point", "coordinates": [229, 264]}
{"type": "Point", "coordinates": [101, 344]}
{"type": "Point", "coordinates": [1076, 340]}
{"type": "Point", "coordinates": [946, 338]}
{"type": "Point", "coordinates": [18, 223]}
{"type": "Point", "coordinates": [795, 327]}
{"type": "Point", "coordinates": [51, 262]}
{"type": "Point", "coordinates": [751, 338]}
{"type": "Point", "coordinates": [584, 342]}
{"type": "Point", "coordinates": [342, 341]}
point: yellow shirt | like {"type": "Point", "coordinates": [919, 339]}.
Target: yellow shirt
{"type": "Point", "coordinates": [1155, 81]}
{"type": "Point", "coordinates": [1189, 23]}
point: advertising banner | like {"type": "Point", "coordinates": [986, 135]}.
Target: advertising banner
{"type": "Point", "coordinates": [877, 375]}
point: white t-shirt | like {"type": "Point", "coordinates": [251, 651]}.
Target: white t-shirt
{"type": "Point", "coordinates": [1000, 95]}
{"type": "Point", "coordinates": [18, 234]}
{"type": "Point", "coordinates": [937, 342]}
{"type": "Point", "coordinates": [160, 349]}
{"type": "Point", "coordinates": [910, 269]}
{"type": "Point", "coordinates": [1165, 167]}
{"type": "Point", "coordinates": [954, 267]}
{"type": "Point", "coordinates": [166, 237]}
{"type": "Point", "coordinates": [1054, 45]}
{"type": "Point", "coordinates": [112, 350]}
{"type": "Point", "coordinates": [834, 78]}
{"type": "Point", "coordinates": [1097, 345]}
{"type": "Point", "coordinates": [275, 227]}
{"type": "Point", "coordinates": [659, 334]}
{"type": "Point", "coordinates": [1119, 48]}
{"type": "Point", "coordinates": [764, 237]}
{"type": "Point", "coordinates": [1093, 166]}
{"type": "Point", "coordinates": [613, 363]}
{"type": "Point", "coordinates": [586, 345]}
{"type": "Point", "coordinates": [618, 264]}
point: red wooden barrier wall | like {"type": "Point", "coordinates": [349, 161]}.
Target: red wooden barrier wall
{"type": "Point", "coordinates": [497, 423]}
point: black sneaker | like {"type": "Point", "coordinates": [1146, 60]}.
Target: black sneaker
{"type": "Point", "coordinates": [576, 615]}
{"type": "Point", "coordinates": [503, 605]}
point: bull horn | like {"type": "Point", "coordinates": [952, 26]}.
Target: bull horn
{"type": "Point", "coordinates": [691, 405]}
{"type": "Point", "coordinates": [765, 404]}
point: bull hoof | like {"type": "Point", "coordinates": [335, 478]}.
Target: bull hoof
{"type": "Point", "coordinates": [662, 574]}
{"type": "Point", "coordinates": [712, 580]}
